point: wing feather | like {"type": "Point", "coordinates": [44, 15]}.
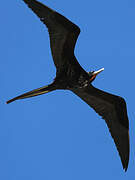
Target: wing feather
{"type": "Point", "coordinates": [63, 33]}
{"type": "Point", "coordinates": [113, 109]}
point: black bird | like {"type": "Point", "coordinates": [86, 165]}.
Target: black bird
{"type": "Point", "coordinates": [71, 76]}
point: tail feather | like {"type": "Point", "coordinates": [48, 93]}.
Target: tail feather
{"type": "Point", "coordinates": [35, 92]}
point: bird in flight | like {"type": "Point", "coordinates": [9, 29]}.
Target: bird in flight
{"type": "Point", "coordinates": [71, 76]}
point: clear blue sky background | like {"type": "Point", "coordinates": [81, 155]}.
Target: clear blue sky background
{"type": "Point", "coordinates": [57, 136]}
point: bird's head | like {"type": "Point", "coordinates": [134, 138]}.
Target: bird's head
{"type": "Point", "coordinates": [93, 74]}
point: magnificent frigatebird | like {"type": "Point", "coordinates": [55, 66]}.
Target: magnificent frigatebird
{"type": "Point", "coordinates": [71, 76]}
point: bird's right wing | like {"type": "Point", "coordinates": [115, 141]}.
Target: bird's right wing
{"type": "Point", "coordinates": [113, 109]}
{"type": "Point", "coordinates": [63, 33]}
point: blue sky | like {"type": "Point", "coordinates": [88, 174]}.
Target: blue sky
{"type": "Point", "coordinates": [58, 136]}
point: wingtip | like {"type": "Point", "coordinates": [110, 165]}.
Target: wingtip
{"type": "Point", "coordinates": [125, 168]}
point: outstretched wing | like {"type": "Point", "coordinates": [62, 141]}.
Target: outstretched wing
{"type": "Point", "coordinates": [113, 109]}
{"type": "Point", "coordinates": [63, 33]}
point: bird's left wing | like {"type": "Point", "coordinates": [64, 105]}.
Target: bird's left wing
{"type": "Point", "coordinates": [113, 109]}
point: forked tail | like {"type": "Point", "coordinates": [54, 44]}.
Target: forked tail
{"type": "Point", "coordinates": [35, 92]}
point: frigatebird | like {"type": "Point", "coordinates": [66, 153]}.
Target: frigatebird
{"type": "Point", "coordinates": [71, 76]}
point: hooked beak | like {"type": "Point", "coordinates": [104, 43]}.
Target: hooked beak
{"type": "Point", "coordinates": [97, 72]}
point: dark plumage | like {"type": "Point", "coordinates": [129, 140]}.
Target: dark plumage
{"type": "Point", "coordinates": [70, 75]}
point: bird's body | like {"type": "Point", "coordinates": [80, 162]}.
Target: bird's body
{"type": "Point", "coordinates": [70, 75]}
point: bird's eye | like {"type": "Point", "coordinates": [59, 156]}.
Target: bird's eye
{"type": "Point", "coordinates": [90, 73]}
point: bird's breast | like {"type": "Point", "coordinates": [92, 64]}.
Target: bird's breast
{"type": "Point", "coordinates": [72, 77]}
